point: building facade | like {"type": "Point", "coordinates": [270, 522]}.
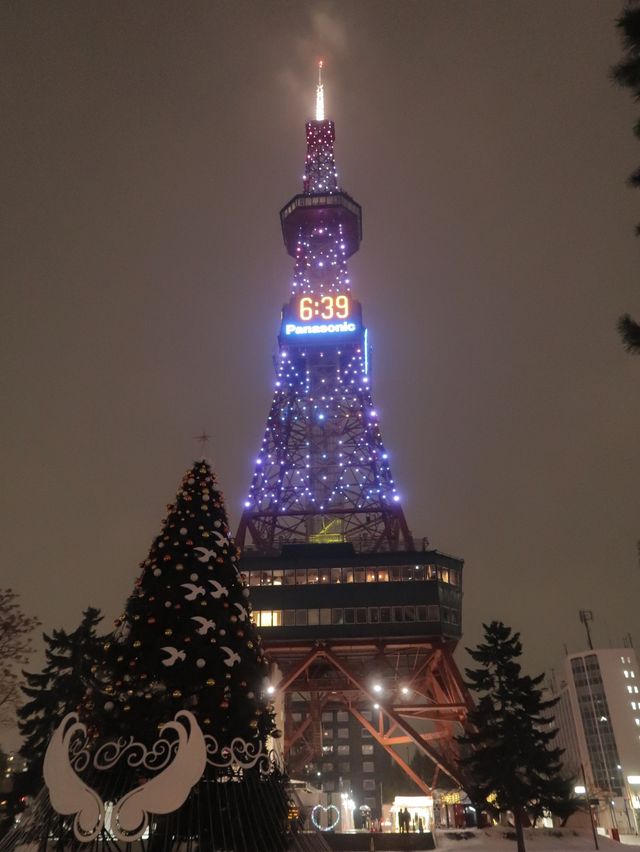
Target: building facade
{"type": "Point", "coordinates": [598, 720]}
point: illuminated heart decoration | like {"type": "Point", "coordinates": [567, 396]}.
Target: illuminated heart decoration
{"type": "Point", "coordinates": [315, 813]}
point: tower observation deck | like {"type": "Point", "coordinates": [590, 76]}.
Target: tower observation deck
{"type": "Point", "coordinates": [351, 612]}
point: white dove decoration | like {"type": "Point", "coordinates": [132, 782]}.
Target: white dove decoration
{"type": "Point", "coordinates": [194, 591]}
{"type": "Point", "coordinates": [243, 613]}
{"type": "Point", "coordinates": [232, 656]}
{"type": "Point", "coordinates": [221, 540]}
{"type": "Point", "coordinates": [206, 554]}
{"type": "Point", "coordinates": [219, 590]}
{"type": "Point", "coordinates": [205, 624]}
{"type": "Point", "coordinates": [174, 655]}
{"type": "Point", "coordinates": [169, 789]}
{"type": "Point", "coordinates": [68, 793]}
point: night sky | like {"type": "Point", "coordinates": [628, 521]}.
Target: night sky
{"type": "Point", "coordinates": [147, 148]}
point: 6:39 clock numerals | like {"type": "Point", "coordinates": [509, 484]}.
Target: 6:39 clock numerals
{"type": "Point", "coordinates": [327, 307]}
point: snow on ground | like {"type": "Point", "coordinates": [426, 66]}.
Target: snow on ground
{"type": "Point", "coordinates": [536, 840]}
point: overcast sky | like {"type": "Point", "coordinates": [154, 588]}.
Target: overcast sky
{"type": "Point", "coordinates": [147, 148]}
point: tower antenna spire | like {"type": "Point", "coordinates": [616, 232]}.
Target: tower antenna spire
{"type": "Point", "coordinates": [320, 94]}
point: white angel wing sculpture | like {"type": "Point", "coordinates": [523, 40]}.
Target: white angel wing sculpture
{"type": "Point", "coordinates": [167, 790]}
{"type": "Point", "coordinates": [162, 794]}
{"type": "Point", "coordinates": [67, 791]}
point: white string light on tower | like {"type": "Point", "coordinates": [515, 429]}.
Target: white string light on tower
{"type": "Point", "coordinates": [320, 94]}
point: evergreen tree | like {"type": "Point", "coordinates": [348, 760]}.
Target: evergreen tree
{"type": "Point", "coordinates": [186, 639]}
{"type": "Point", "coordinates": [630, 333]}
{"type": "Point", "coordinates": [57, 690]}
{"type": "Point", "coordinates": [627, 73]}
{"type": "Point", "coordinates": [509, 757]}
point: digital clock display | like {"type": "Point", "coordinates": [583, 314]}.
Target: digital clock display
{"type": "Point", "coordinates": [324, 307]}
{"type": "Point", "coordinates": [317, 315]}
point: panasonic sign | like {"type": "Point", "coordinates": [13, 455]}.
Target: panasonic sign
{"type": "Point", "coordinates": [325, 328]}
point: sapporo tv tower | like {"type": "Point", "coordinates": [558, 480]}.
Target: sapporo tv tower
{"type": "Point", "coordinates": [350, 611]}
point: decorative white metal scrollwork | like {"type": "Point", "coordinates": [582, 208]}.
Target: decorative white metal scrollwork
{"type": "Point", "coordinates": [239, 754]}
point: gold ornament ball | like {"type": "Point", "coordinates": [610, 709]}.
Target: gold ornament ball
{"type": "Point", "coordinates": [211, 682]}
{"type": "Point", "coordinates": [176, 693]}
{"type": "Point", "coordinates": [137, 643]}
{"type": "Point", "coordinates": [168, 631]}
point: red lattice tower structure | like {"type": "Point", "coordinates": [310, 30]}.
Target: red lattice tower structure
{"type": "Point", "coordinates": [341, 592]}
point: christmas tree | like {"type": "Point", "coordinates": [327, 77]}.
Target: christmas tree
{"type": "Point", "coordinates": [186, 639]}
{"type": "Point", "coordinates": [185, 642]}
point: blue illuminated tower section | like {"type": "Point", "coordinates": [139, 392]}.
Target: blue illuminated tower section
{"type": "Point", "coordinates": [322, 474]}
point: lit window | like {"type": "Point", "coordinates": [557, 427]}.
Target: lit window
{"type": "Point", "coordinates": [632, 674]}
{"type": "Point", "coordinates": [343, 733]}
{"type": "Point", "coordinates": [367, 766]}
{"type": "Point", "coordinates": [633, 705]}
{"type": "Point", "coordinates": [637, 721]}
{"type": "Point", "coordinates": [367, 749]}
{"type": "Point", "coordinates": [629, 689]}
{"type": "Point", "coordinates": [635, 689]}
{"type": "Point", "coordinates": [269, 618]}
{"type": "Point", "coordinates": [626, 673]}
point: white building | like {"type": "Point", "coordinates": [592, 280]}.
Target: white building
{"type": "Point", "coordinates": [598, 717]}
